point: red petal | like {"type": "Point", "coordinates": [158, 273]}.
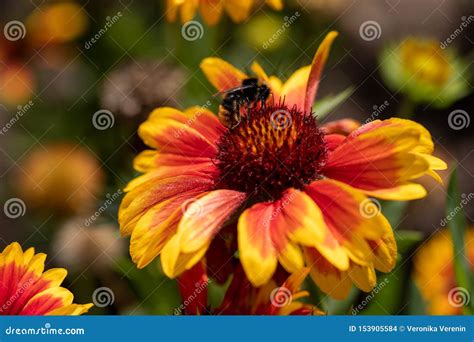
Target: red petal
{"type": "Point", "coordinates": [193, 288]}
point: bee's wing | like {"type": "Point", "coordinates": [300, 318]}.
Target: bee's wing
{"type": "Point", "coordinates": [227, 91]}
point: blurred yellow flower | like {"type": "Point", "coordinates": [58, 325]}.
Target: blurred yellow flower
{"type": "Point", "coordinates": [425, 61]}
{"type": "Point", "coordinates": [56, 23]}
{"type": "Point", "coordinates": [425, 72]}
{"type": "Point", "coordinates": [267, 31]}
{"type": "Point", "coordinates": [211, 10]}
{"type": "Point", "coordinates": [434, 273]}
{"type": "Point", "coordinates": [26, 289]}
{"type": "Point", "coordinates": [61, 177]}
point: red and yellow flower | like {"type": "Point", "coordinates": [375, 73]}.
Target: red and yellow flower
{"type": "Point", "coordinates": [26, 289]}
{"type": "Point", "coordinates": [434, 273]}
{"type": "Point", "coordinates": [295, 191]}
{"type": "Point", "coordinates": [212, 10]}
{"type": "Point", "coordinates": [242, 298]}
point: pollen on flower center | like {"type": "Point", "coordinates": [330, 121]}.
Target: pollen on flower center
{"type": "Point", "coordinates": [272, 149]}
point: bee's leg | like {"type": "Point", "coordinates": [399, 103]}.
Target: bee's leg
{"type": "Point", "coordinates": [250, 105]}
{"type": "Point", "coordinates": [249, 109]}
{"type": "Point", "coordinates": [235, 118]}
{"type": "Point", "coordinates": [264, 94]}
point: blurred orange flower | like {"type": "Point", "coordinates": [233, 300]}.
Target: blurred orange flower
{"type": "Point", "coordinates": [434, 273]}
{"type": "Point", "coordinates": [17, 84]}
{"type": "Point", "coordinates": [61, 177]}
{"type": "Point", "coordinates": [56, 23]}
{"type": "Point", "coordinates": [26, 289]}
{"type": "Point", "coordinates": [46, 27]}
{"type": "Point", "coordinates": [212, 10]}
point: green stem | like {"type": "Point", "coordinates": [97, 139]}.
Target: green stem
{"type": "Point", "coordinates": [458, 226]}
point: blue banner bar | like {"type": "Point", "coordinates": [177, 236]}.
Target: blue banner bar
{"type": "Point", "coordinates": [229, 329]}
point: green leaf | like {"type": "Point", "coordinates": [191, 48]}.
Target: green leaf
{"type": "Point", "coordinates": [457, 225]}
{"type": "Point", "coordinates": [407, 239]}
{"type": "Point", "coordinates": [342, 307]}
{"type": "Point", "coordinates": [329, 103]}
{"type": "Point", "coordinates": [394, 211]}
{"type": "Point", "coordinates": [156, 294]}
{"type": "Point", "coordinates": [416, 305]}
{"type": "Point", "coordinates": [386, 297]}
{"type": "Point", "coordinates": [216, 292]}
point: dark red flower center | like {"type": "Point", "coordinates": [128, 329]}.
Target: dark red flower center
{"type": "Point", "coordinates": [272, 149]}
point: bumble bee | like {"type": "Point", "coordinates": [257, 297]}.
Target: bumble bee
{"type": "Point", "coordinates": [249, 93]}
